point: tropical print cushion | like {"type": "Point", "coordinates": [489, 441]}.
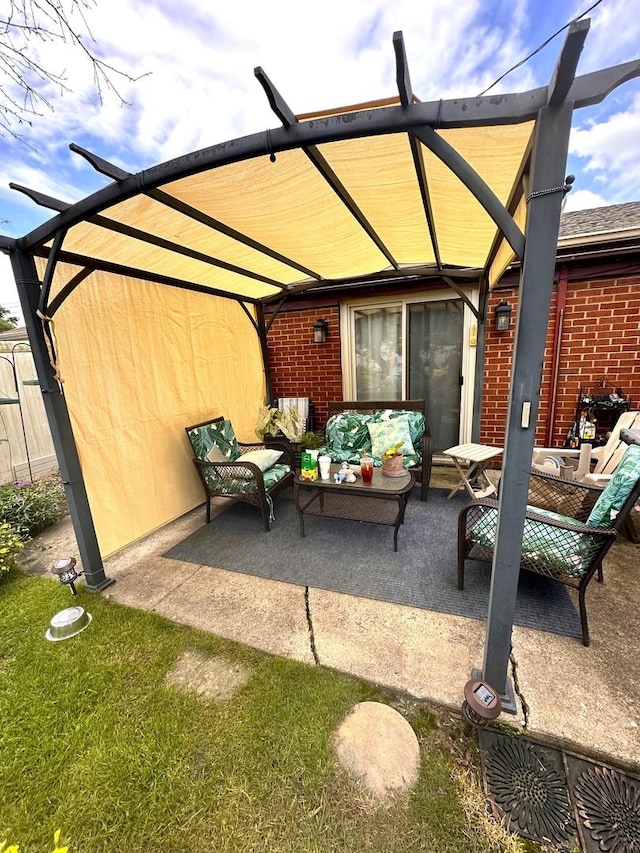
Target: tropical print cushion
{"type": "Point", "coordinates": [416, 421]}
{"type": "Point", "coordinates": [565, 551]}
{"type": "Point", "coordinates": [347, 435]}
{"type": "Point", "coordinates": [387, 434]}
{"type": "Point", "coordinates": [618, 489]}
{"type": "Point", "coordinates": [242, 485]}
{"type": "Point", "coordinates": [218, 434]}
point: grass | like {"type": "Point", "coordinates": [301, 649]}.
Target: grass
{"type": "Point", "coordinates": [92, 741]}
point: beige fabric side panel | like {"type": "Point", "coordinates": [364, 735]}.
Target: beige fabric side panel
{"type": "Point", "coordinates": [139, 362]}
{"type": "Point", "coordinates": [505, 254]}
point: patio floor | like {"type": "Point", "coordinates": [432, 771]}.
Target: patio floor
{"type": "Point", "coordinates": [582, 699]}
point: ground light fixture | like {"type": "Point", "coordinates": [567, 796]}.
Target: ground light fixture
{"type": "Point", "coordinates": [65, 570]}
{"type": "Point", "coordinates": [320, 329]}
{"type": "Point", "coordinates": [503, 316]}
{"type": "Point", "coordinates": [481, 703]}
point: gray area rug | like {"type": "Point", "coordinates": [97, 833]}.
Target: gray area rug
{"type": "Point", "coordinates": [358, 558]}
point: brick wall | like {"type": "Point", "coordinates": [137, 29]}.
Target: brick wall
{"type": "Point", "coordinates": [600, 339]}
{"type": "Point", "coordinates": [300, 368]}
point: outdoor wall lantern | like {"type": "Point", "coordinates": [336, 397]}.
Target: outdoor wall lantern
{"type": "Point", "coordinates": [503, 317]}
{"type": "Point", "coordinates": [65, 569]}
{"type": "Point", "coordinates": [320, 328]}
{"type": "Point", "coordinates": [481, 703]}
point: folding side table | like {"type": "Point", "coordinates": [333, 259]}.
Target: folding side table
{"type": "Point", "coordinates": [478, 455]}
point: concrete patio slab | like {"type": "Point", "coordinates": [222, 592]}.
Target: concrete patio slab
{"type": "Point", "coordinates": [264, 614]}
{"type": "Point", "coordinates": [426, 654]}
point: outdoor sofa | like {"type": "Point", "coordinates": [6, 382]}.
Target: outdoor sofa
{"type": "Point", "coordinates": [372, 426]}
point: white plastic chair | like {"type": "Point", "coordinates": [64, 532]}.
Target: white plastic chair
{"type": "Point", "coordinates": [551, 460]}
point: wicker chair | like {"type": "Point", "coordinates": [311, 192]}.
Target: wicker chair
{"type": "Point", "coordinates": [568, 544]}
{"type": "Point", "coordinates": [243, 472]}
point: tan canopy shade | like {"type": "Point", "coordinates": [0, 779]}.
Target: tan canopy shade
{"type": "Point", "coordinates": [138, 363]}
{"type": "Point", "coordinates": [255, 228]}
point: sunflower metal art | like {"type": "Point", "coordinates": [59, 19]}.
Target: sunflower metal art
{"type": "Point", "coordinates": [531, 793]}
{"type": "Point", "coordinates": [609, 804]}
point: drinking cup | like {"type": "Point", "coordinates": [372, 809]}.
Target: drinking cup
{"type": "Point", "coordinates": [325, 467]}
{"type": "Point", "coordinates": [366, 469]}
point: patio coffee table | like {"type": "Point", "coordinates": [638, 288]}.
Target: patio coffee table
{"type": "Point", "coordinates": [383, 501]}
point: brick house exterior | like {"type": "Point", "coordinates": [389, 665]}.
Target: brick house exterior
{"type": "Point", "coordinates": [593, 335]}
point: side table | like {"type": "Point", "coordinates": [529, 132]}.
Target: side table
{"type": "Point", "coordinates": [478, 455]}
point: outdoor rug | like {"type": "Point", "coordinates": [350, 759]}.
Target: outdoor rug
{"type": "Point", "coordinates": [358, 558]}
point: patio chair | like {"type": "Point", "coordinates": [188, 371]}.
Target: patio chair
{"type": "Point", "coordinates": [567, 549]}
{"type": "Point", "coordinates": [228, 468]}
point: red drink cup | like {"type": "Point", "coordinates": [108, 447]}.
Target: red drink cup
{"type": "Point", "coordinates": [366, 469]}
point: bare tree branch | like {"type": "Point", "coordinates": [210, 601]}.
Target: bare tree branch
{"type": "Point", "coordinates": [23, 94]}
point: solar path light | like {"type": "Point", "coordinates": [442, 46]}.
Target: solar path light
{"type": "Point", "coordinates": [481, 703]}
{"type": "Point", "coordinates": [65, 570]}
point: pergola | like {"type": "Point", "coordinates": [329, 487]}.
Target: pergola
{"type": "Point", "coordinates": [144, 302]}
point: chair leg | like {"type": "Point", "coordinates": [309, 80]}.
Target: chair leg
{"type": "Point", "coordinates": [461, 557]}
{"type": "Point", "coordinates": [208, 508]}
{"type": "Point", "coordinates": [424, 486]}
{"type": "Point", "coordinates": [583, 618]}
{"type": "Point", "coordinates": [264, 509]}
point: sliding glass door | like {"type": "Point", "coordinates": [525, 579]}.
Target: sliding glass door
{"type": "Point", "coordinates": [411, 349]}
{"type": "Point", "coordinates": [435, 365]}
{"type": "Point", "coordinates": [378, 352]}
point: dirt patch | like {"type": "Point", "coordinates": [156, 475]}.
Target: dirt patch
{"type": "Point", "coordinates": [213, 678]}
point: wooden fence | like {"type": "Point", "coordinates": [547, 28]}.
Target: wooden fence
{"type": "Point", "coordinates": [26, 446]}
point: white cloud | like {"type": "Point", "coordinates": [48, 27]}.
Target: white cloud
{"type": "Point", "coordinates": [8, 293]}
{"type": "Point", "coordinates": [582, 200]}
{"type": "Point", "coordinates": [609, 152]}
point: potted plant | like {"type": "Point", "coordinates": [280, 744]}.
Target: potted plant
{"type": "Point", "coordinates": [273, 421]}
{"type": "Point", "coordinates": [392, 460]}
{"type": "Point", "coordinates": [312, 440]}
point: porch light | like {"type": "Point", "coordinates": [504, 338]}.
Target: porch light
{"type": "Point", "coordinates": [65, 570]}
{"type": "Point", "coordinates": [481, 703]}
{"type": "Point", "coordinates": [503, 316]}
{"type": "Point", "coordinates": [320, 329]}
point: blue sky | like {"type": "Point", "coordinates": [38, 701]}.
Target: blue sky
{"type": "Point", "coordinates": [198, 59]}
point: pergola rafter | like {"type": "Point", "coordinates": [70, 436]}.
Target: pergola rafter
{"type": "Point", "coordinates": [405, 90]}
{"type": "Point", "coordinates": [288, 119]}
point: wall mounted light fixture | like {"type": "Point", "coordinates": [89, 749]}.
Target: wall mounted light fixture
{"type": "Point", "coordinates": [320, 328]}
{"type": "Point", "coordinates": [503, 316]}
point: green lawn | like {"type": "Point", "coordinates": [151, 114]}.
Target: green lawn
{"type": "Point", "coordinates": [93, 742]}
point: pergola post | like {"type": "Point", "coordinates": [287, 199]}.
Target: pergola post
{"type": "Point", "coordinates": [28, 286]}
{"type": "Point", "coordinates": [536, 286]}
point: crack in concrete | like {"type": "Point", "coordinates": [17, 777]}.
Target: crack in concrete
{"type": "Point", "coordinates": [518, 692]}
{"type": "Point", "coordinates": [312, 638]}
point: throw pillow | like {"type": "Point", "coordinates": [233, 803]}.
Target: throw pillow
{"type": "Point", "coordinates": [389, 433]}
{"type": "Point", "coordinates": [262, 458]}
{"type": "Point", "coordinates": [624, 478]}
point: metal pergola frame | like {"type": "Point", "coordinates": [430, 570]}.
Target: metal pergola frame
{"type": "Point", "coordinates": [550, 106]}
